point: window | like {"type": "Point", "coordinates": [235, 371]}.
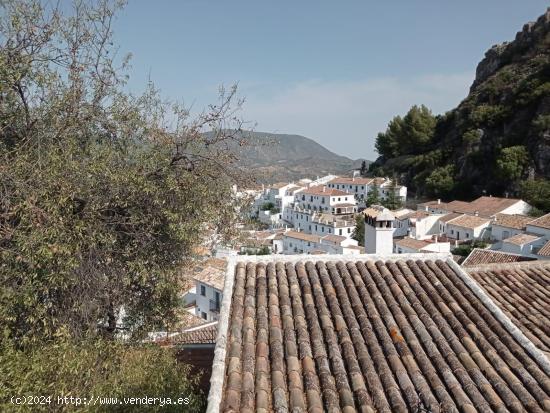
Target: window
{"type": "Point", "coordinates": [467, 235]}
{"type": "Point", "coordinates": [339, 199]}
{"type": "Point", "coordinates": [216, 297]}
{"type": "Point", "coordinates": [203, 290]}
{"type": "Point", "coordinates": [349, 230]}
{"type": "Point", "coordinates": [204, 315]}
{"type": "Point", "coordinates": [340, 231]}
{"type": "Point", "coordinates": [452, 232]}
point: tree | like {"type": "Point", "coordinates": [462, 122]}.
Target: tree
{"type": "Point", "coordinates": [359, 230]}
{"type": "Point", "coordinates": [103, 194]}
{"type": "Point", "coordinates": [418, 130]}
{"type": "Point", "coordinates": [393, 200]}
{"type": "Point", "coordinates": [373, 196]}
{"type": "Point", "coordinates": [441, 182]}
{"type": "Point", "coordinates": [387, 143]}
{"type": "Point", "coordinates": [512, 162]}
{"type": "Point", "coordinates": [411, 134]}
{"type": "Point", "coordinates": [537, 193]}
{"type": "Point", "coordinates": [364, 168]}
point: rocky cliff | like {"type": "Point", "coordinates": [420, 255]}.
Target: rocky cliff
{"type": "Point", "coordinates": [498, 138]}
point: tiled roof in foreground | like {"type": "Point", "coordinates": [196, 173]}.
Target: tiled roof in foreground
{"type": "Point", "coordinates": [321, 334]}
{"type": "Point", "coordinates": [522, 290]}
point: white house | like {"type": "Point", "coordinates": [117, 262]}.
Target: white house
{"type": "Point", "coordinates": [485, 206]}
{"type": "Point", "coordinates": [523, 244]}
{"type": "Point", "coordinates": [540, 226]}
{"type": "Point", "coordinates": [378, 230]}
{"type": "Point", "coordinates": [417, 224]}
{"type": "Point", "coordinates": [323, 199]}
{"type": "Point", "coordinates": [361, 187]}
{"type": "Point", "coordinates": [411, 245]}
{"type": "Point", "coordinates": [506, 225]}
{"type": "Point", "coordinates": [467, 227]}
{"type": "Point", "coordinates": [208, 292]}
{"type": "Point", "coordinates": [300, 243]}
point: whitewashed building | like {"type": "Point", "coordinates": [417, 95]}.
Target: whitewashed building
{"type": "Point", "coordinates": [208, 292]}
{"type": "Point", "coordinates": [505, 226]}
{"type": "Point", "coordinates": [467, 228]}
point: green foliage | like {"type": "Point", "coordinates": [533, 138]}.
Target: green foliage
{"type": "Point", "coordinates": [408, 135]}
{"type": "Point", "coordinates": [373, 196]}
{"type": "Point", "coordinates": [393, 200]}
{"type": "Point", "coordinates": [512, 162]}
{"type": "Point", "coordinates": [441, 181]}
{"type": "Point", "coordinates": [387, 143]}
{"type": "Point", "coordinates": [465, 249]}
{"type": "Point", "coordinates": [537, 193]}
{"type": "Point", "coordinates": [359, 230]}
{"type": "Point", "coordinates": [487, 115]}
{"type": "Point", "coordinates": [471, 138]}
{"type": "Point", "coordinates": [542, 124]}
{"type": "Point", "coordinates": [97, 368]}
{"type": "Point", "coordinates": [102, 194]}
{"type": "Point", "coordinates": [270, 206]}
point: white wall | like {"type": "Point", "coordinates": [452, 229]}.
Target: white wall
{"type": "Point", "coordinates": [545, 232]}
{"type": "Point", "coordinates": [203, 302]}
{"type": "Point", "coordinates": [500, 233]}
{"type": "Point", "coordinates": [520, 207]}
{"type": "Point", "coordinates": [378, 240]}
{"type": "Point", "coordinates": [425, 227]}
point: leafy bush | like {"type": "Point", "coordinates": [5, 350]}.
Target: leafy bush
{"type": "Point", "coordinates": [537, 193]}
{"type": "Point", "coordinates": [441, 181]}
{"type": "Point", "coordinates": [512, 161]}
{"type": "Point", "coordinates": [98, 368]}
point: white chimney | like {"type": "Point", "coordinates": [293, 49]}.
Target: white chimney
{"type": "Point", "coordinates": [476, 213]}
{"type": "Point", "coordinates": [438, 201]}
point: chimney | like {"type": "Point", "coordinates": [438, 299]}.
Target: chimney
{"type": "Point", "coordinates": [476, 213]}
{"type": "Point", "coordinates": [438, 201]}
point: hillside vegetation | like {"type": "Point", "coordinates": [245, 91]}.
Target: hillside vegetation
{"type": "Point", "coordinates": [497, 141]}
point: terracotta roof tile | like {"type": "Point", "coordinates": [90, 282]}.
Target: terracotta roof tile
{"type": "Point", "coordinates": [351, 181]}
{"type": "Point", "coordinates": [372, 336]}
{"type": "Point", "coordinates": [521, 239]}
{"type": "Point", "coordinates": [416, 244]}
{"type": "Point", "coordinates": [212, 275]}
{"type": "Point", "coordinates": [302, 236]}
{"type": "Point", "coordinates": [323, 191]}
{"type": "Point", "coordinates": [545, 250]}
{"type": "Point", "coordinates": [205, 334]}
{"type": "Point", "coordinates": [469, 221]}
{"type": "Point", "coordinates": [512, 221]}
{"type": "Point", "coordinates": [543, 222]}
{"type": "Point", "coordinates": [522, 290]}
{"type": "Point", "coordinates": [449, 217]}
{"type": "Point", "coordinates": [482, 256]}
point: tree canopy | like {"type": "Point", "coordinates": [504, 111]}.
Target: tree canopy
{"type": "Point", "coordinates": [104, 195]}
{"type": "Point", "coordinates": [407, 135]}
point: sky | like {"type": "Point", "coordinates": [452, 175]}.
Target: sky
{"type": "Point", "coordinates": [334, 71]}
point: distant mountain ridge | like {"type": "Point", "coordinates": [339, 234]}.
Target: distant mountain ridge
{"type": "Point", "coordinates": [283, 157]}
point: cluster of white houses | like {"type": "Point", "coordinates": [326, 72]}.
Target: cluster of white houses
{"type": "Point", "coordinates": [319, 215]}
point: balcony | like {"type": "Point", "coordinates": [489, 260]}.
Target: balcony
{"type": "Point", "coordinates": [214, 306]}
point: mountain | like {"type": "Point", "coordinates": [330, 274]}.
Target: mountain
{"type": "Point", "coordinates": [497, 141]}
{"type": "Point", "coordinates": [280, 157]}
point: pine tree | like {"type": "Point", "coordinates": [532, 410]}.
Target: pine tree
{"type": "Point", "coordinates": [373, 197]}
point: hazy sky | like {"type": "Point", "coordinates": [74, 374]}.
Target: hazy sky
{"type": "Point", "coordinates": [334, 71]}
